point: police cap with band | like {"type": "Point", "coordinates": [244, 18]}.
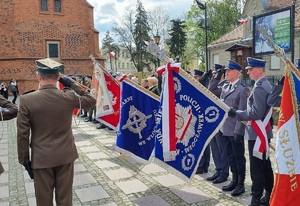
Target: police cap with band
{"type": "Point", "coordinates": [217, 68]}
{"type": "Point", "coordinates": [198, 72]}
{"type": "Point", "coordinates": [48, 66]}
{"type": "Point", "coordinates": [253, 62]}
{"type": "Point", "coordinates": [233, 65]}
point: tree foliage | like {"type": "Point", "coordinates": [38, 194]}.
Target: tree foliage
{"type": "Point", "coordinates": [178, 39]}
{"type": "Point", "coordinates": [223, 16]}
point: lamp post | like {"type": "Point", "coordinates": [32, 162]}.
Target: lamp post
{"type": "Point", "coordinates": [203, 7]}
{"type": "Point", "coordinates": [157, 40]}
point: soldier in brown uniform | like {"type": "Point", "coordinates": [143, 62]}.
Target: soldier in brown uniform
{"type": "Point", "coordinates": [44, 124]}
{"type": "Point", "coordinates": [7, 111]}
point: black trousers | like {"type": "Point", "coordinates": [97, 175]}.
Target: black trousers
{"type": "Point", "coordinates": [236, 156]}
{"type": "Point", "coordinates": [261, 173]}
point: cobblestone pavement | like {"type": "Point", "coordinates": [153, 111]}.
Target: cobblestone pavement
{"type": "Point", "coordinates": [103, 177]}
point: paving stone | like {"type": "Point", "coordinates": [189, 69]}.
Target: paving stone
{"type": "Point", "coordinates": [29, 186]}
{"type": "Point", "coordinates": [191, 195]}
{"type": "Point", "coordinates": [152, 168]}
{"type": "Point", "coordinates": [83, 143]}
{"type": "Point", "coordinates": [168, 180]}
{"type": "Point", "coordinates": [3, 152]}
{"type": "Point", "coordinates": [132, 186]}
{"type": "Point", "coordinates": [79, 168]}
{"type": "Point", "coordinates": [91, 194]}
{"type": "Point", "coordinates": [107, 141]}
{"type": "Point", "coordinates": [110, 204]}
{"type": "Point", "coordinates": [105, 164]}
{"type": "Point", "coordinates": [97, 155]}
{"type": "Point", "coordinates": [83, 179]}
{"type": "Point", "coordinates": [151, 200]}
{"type": "Point", "coordinates": [3, 178]}
{"type": "Point", "coordinates": [117, 174]}
{"type": "Point", "coordinates": [4, 192]}
{"type": "Point", "coordinates": [4, 204]}
{"type": "Point", "coordinates": [89, 149]}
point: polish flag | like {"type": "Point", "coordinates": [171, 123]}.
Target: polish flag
{"type": "Point", "coordinates": [112, 54]}
{"type": "Point", "coordinates": [287, 169]}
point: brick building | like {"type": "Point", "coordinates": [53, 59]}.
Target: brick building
{"type": "Point", "coordinates": [35, 29]}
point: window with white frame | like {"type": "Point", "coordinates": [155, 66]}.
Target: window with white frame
{"type": "Point", "coordinates": [53, 49]}
{"type": "Point", "coordinates": [216, 58]}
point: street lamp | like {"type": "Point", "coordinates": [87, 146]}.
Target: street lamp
{"type": "Point", "coordinates": [203, 7]}
{"type": "Point", "coordinates": [157, 40]}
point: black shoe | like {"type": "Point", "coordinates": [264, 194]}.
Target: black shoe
{"type": "Point", "coordinates": [238, 190]}
{"type": "Point", "coordinates": [95, 121]}
{"type": "Point", "coordinates": [200, 171]}
{"type": "Point", "coordinates": [101, 126]}
{"type": "Point", "coordinates": [229, 187]}
{"type": "Point", "coordinates": [83, 116]}
{"type": "Point", "coordinates": [265, 200]}
{"type": "Point", "coordinates": [220, 179]}
{"type": "Point", "coordinates": [215, 176]}
{"type": "Point", "coordinates": [255, 201]}
{"type": "Point", "coordinates": [88, 120]}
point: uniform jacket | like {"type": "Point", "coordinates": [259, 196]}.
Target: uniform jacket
{"type": "Point", "coordinates": [10, 111]}
{"type": "Point", "coordinates": [236, 97]}
{"type": "Point", "coordinates": [155, 90]}
{"type": "Point", "coordinates": [46, 116]}
{"type": "Point", "coordinates": [257, 107]}
{"type": "Point", "coordinates": [274, 97]}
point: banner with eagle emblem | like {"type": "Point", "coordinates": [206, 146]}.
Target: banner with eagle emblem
{"type": "Point", "coordinates": [135, 136]}
{"type": "Point", "coordinates": [196, 115]}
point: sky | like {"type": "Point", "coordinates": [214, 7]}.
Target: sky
{"type": "Point", "coordinates": [108, 13]}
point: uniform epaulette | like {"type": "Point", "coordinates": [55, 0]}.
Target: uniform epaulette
{"type": "Point", "coordinates": [28, 91]}
{"type": "Point", "coordinates": [259, 83]}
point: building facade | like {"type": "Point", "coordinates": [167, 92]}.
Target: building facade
{"type": "Point", "coordinates": [36, 29]}
{"type": "Point", "coordinates": [238, 43]}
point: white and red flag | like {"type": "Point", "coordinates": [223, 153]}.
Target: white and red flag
{"type": "Point", "coordinates": [112, 54]}
{"type": "Point", "coordinates": [287, 170]}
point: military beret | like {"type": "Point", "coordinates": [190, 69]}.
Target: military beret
{"type": "Point", "coordinates": [48, 66]}
{"type": "Point", "coordinates": [253, 62]}
{"type": "Point", "coordinates": [233, 65]}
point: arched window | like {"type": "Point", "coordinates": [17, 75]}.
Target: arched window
{"type": "Point", "coordinates": [44, 5]}
{"type": "Point", "coordinates": [57, 5]}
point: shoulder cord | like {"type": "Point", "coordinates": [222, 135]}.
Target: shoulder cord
{"type": "Point", "coordinates": [74, 116]}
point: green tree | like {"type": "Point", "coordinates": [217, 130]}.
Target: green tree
{"type": "Point", "coordinates": [140, 34]}
{"type": "Point", "coordinates": [108, 45]}
{"type": "Point", "coordinates": [223, 17]}
{"type": "Point", "coordinates": [178, 39]}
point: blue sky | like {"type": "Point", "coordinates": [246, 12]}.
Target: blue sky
{"type": "Point", "coordinates": [109, 13]}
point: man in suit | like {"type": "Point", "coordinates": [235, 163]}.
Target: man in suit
{"type": "Point", "coordinates": [44, 125]}
{"type": "Point", "coordinates": [234, 94]}
{"type": "Point", "coordinates": [260, 169]}
{"type": "Point", "coordinates": [8, 111]}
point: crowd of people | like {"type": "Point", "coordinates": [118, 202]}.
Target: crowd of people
{"type": "Point", "coordinates": [11, 88]}
{"type": "Point", "coordinates": [227, 146]}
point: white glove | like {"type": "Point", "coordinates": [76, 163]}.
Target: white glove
{"type": "Point", "coordinates": [2, 109]}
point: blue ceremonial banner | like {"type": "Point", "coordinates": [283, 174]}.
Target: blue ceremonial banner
{"type": "Point", "coordinates": [135, 136]}
{"type": "Point", "coordinates": [296, 78]}
{"type": "Point", "coordinates": [199, 114]}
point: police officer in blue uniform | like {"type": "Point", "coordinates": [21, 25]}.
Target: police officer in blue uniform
{"type": "Point", "coordinates": [215, 86]}
{"type": "Point", "coordinates": [260, 169]}
{"type": "Point", "coordinates": [274, 98]}
{"type": "Point", "coordinates": [234, 94]}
